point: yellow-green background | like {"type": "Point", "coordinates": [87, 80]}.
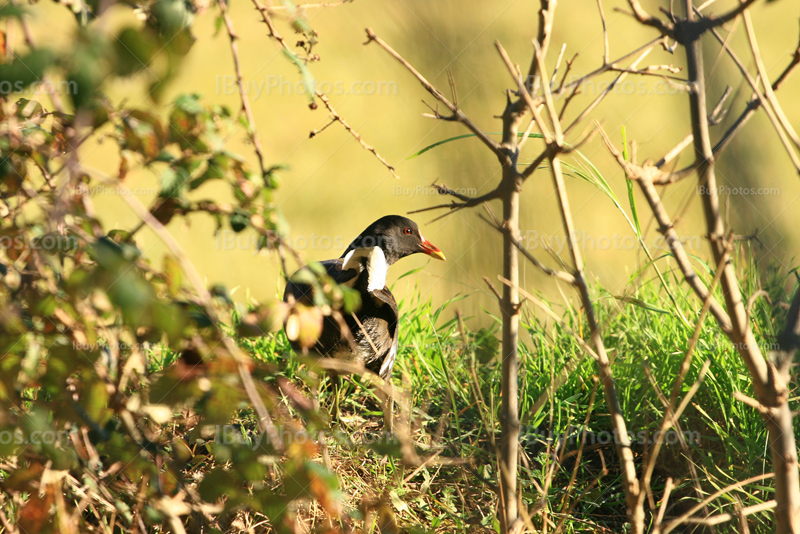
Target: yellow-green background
{"type": "Point", "coordinates": [334, 188]}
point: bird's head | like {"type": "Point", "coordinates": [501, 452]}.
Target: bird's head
{"type": "Point", "coordinates": [397, 236]}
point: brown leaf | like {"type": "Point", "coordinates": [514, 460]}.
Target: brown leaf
{"type": "Point", "coordinates": [304, 325]}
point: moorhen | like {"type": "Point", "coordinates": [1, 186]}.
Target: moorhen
{"type": "Point", "coordinates": [363, 267]}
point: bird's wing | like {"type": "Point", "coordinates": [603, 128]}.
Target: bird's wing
{"type": "Point", "coordinates": [302, 292]}
{"type": "Point", "coordinates": [385, 296]}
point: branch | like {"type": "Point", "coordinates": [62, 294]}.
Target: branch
{"type": "Point", "coordinates": [666, 28]}
{"type": "Point", "coordinates": [559, 275]}
{"type": "Point", "coordinates": [713, 22]}
{"type": "Point", "coordinates": [273, 33]}
{"type": "Point", "coordinates": [248, 112]}
{"type": "Point", "coordinates": [457, 113]}
{"type": "Point", "coordinates": [605, 32]}
{"type": "Point", "coordinates": [548, 98]}
{"type": "Point", "coordinates": [525, 94]}
{"type": "Point", "coordinates": [645, 51]}
{"type": "Point", "coordinates": [764, 101]}
{"type": "Point", "coordinates": [685, 516]}
{"type": "Point", "coordinates": [467, 202]}
{"type": "Point", "coordinates": [242, 360]}
{"type": "Point", "coordinates": [546, 18]}
{"type": "Point", "coordinates": [752, 106]}
{"type": "Point", "coordinates": [762, 71]}
{"type": "Point", "coordinates": [667, 229]}
{"type": "Point", "coordinates": [353, 132]}
{"type": "Point", "coordinates": [632, 486]}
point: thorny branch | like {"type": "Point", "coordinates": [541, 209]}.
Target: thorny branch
{"type": "Point", "coordinates": [352, 131]}
{"type": "Point", "coordinates": [266, 17]}
{"type": "Point", "coordinates": [457, 114]}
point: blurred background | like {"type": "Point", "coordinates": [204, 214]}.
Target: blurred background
{"type": "Point", "coordinates": [333, 188]}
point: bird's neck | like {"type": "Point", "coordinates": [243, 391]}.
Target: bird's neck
{"type": "Point", "coordinates": [370, 260]}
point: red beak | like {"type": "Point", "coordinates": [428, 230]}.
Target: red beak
{"type": "Point", "coordinates": [431, 250]}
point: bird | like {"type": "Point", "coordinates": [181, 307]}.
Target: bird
{"type": "Point", "coordinates": [363, 267]}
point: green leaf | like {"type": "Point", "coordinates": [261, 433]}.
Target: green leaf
{"type": "Point", "coordinates": [643, 304]}
{"type": "Point", "coordinates": [629, 184]}
{"type": "Point", "coordinates": [308, 78]}
{"type": "Point", "coordinates": [239, 220]}
{"type": "Point", "coordinates": [134, 48]}
{"type": "Point", "coordinates": [594, 177]}
{"type": "Point", "coordinates": [12, 10]}
{"type": "Point", "coordinates": [456, 138]}
{"type": "Point", "coordinates": [173, 181]}
{"type": "Point", "coordinates": [25, 70]}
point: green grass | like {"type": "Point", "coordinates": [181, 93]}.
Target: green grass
{"type": "Point", "coordinates": [452, 378]}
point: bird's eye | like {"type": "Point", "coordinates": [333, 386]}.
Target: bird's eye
{"type": "Point", "coordinates": [407, 231]}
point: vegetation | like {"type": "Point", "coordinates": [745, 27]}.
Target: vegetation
{"type": "Point", "coordinates": [135, 398]}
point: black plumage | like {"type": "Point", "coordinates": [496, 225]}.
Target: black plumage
{"type": "Point", "coordinates": [363, 267]}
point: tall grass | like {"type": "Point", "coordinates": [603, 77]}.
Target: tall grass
{"type": "Point", "coordinates": [451, 375]}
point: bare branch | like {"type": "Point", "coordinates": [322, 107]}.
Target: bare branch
{"type": "Point", "coordinates": [666, 228]}
{"type": "Point", "coordinates": [605, 32]}
{"type": "Point", "coordinates": [546, 19]}
{"type": "Point", "coordinates": [354, 133]}
{"type": "Point", "coordinates": [608, 89]}
{"type": "Point", "coordinates": [675, 152]}
{"type": "Point", "coordinates": [457, 113]}
{"type": "Point", "coordinates": [715, 22]}
{"type": "Point", "coordinates": [526, 96]}
{"type": "Point", "coordinates": [548, 97]}
{"type": "Point", "coordinates": [558, 64]}
{"type": "Point", "coordinates": [265, 420]}
{"type": "Point", "coordinates": [666, 28]}
{"type": "Point", "coordinates": [559, 275]}
{"type": "Point", "coordinates": [762, 71]}
{"type": "Point", "coordinates": [663, 508]}
{"type": "Point", "coordinates": [764, 101]}
{"type": "Point", "coordinates": [252, 132]}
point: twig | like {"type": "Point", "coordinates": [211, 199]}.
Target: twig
{"type": "Point", "coordinates": [548, 98]}
{"type": "Point", "coordinates": [725, 517]}
{"type": "Point", "coordinates": [605, 32]}
{"type": "Point", "coordinates": [525, 94]}
{"type": "Point", "coordinates": [559, 275]}
{"type": "Point", "coordinates": [664, 500]}
{"type": "Point", "coordinates": [252, 132]}
{"type": "Point", "coordinates": [353, 132]}
{"type": "Point", "coordinates": [762, 71]}
{"type": "Point", "coordinates": [686, 515]}
{"type": "Point", "coordinates": [764, 102]}
{"type": "Point", "coordinates": [608, 89]}
{"type": "Point", "coordinates": [558, 65]}
{"type": "Point", "coordinates": [457, 113]}
{"type": "Point", "coordinates": [265, 421]}
{"type": "Point", "coordinates": [666, 28]}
